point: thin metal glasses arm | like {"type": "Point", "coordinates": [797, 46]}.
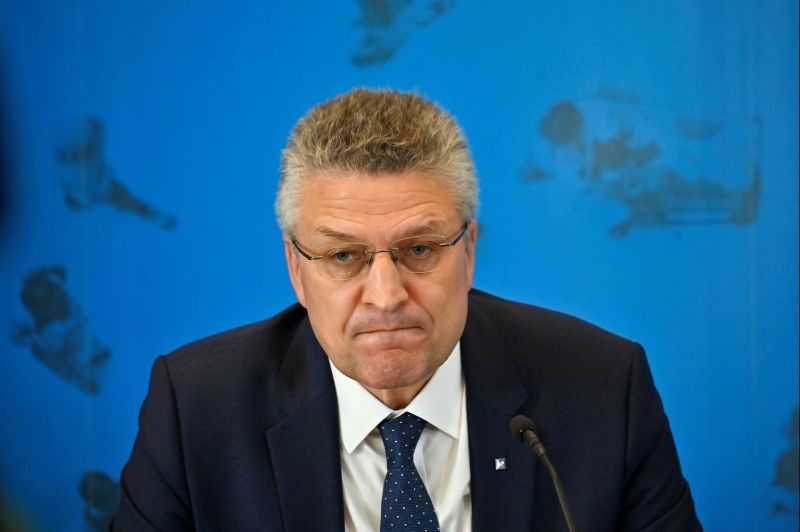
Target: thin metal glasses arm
{"type": "Point", "coordinates": [303, 253]}
{"type": "Point", "coordinates": [458, 237]}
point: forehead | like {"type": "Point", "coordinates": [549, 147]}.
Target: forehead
{"type": "Point", "coordinates": [385, 203]}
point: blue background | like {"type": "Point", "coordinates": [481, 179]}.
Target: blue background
{"type": "Point", "coordinates": [638, 164]}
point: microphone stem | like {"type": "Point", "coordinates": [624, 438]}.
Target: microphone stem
{"type": "Point", "coordinates": [562, 498]}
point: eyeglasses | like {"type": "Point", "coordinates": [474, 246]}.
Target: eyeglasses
{"type": "Point", "coordinates": [418, 254]}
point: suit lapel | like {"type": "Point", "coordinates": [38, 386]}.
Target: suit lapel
{"type": "Point", "coordinates": [304, 443]}
{"type": "Point", "coordinates": [303, 440]}
{"type": "Point", "coordinates": [501, 498]}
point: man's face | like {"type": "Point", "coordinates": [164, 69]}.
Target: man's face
{"type": "Point", "coordinates": [387, 328]}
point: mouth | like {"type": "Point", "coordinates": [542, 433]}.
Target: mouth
{"type": "Point", "coordinates": [384, 330]}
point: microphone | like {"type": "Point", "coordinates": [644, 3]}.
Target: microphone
{"type": "Point", "coordinates": [524, 430]}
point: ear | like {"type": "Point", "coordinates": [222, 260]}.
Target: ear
{"type": "Point", "coordinates": [472, 239]}
{"type": "Point", "coordinates": [295, 275]}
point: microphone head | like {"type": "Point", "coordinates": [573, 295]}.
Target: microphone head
{"type": "Point", "coordinates": [519, 424]}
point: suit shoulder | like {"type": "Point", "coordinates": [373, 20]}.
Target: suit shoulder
{"type": "Point", "coordinates": [263, 343]}
{"type": "Point", "coordinates": [534, 336]}
{"type": "Point", "coordinates": [531, 321]}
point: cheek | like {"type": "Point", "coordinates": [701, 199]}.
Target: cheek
{"type": "Point", "coordinates": [436, 299]}
{"type": "Point", "coordinates": [445, 300]}
{"type": "Point", "coordinates": [329, 308]}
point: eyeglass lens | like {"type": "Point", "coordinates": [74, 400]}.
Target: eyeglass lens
{"type": "Point", "coordinates": [420, 254]}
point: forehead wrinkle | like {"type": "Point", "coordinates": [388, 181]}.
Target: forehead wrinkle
{"type": "Point", "coordinates": [376, 212]}
{"type": "Point", "coordinates": [381, 207]}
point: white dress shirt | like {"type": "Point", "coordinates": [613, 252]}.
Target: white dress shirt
{"type": "Point", "coordinates": [441, 456]}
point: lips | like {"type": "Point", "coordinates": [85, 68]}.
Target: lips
{"type": "Point", "coordinates": [369, 324]}
{"type": "Point", "coordinates": [387, 330]}
{"type": "Point", "coordinates": [402, 337]}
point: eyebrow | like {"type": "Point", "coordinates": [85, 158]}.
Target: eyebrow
{"type": "Point", "coordinates": [432, 227]}
{"type": "Point", "coordinates": [332, 233]}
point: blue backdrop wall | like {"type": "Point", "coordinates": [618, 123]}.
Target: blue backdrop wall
{"type": "Point", "coordinates": [640, 158]}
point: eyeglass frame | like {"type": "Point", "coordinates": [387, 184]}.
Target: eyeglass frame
{"type": "Point", "coordinates": [372, 252]}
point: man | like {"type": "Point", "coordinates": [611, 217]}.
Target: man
{"type": "Point", "coordinates": [382, 400]}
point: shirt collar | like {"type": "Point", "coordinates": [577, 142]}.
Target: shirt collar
{"type": "Point", "coordinates": [438, 403]}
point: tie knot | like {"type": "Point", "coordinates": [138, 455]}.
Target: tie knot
{"type": "Point", "coordinates": [400, 436]}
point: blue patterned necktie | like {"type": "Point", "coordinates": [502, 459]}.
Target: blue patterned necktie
{"type": "Point", "coordinates": [406, 504]}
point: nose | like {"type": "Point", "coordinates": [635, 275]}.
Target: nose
{"type": "Point", "coordinates": [383, 285]}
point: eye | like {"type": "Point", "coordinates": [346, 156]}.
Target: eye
{"type": "Point", "coordinates": [420, 249]}
{"type": "Point", "coordinates": [344, 256]}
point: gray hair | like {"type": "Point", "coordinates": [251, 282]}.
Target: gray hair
{"type": "Point", "coordinates": [370, 132]}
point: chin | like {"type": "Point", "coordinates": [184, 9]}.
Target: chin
{"type": "Point", "coordinates": [390, 370]}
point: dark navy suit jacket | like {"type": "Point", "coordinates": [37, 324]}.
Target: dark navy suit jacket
{"type": "Point", "coordinates": [240, 431]}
